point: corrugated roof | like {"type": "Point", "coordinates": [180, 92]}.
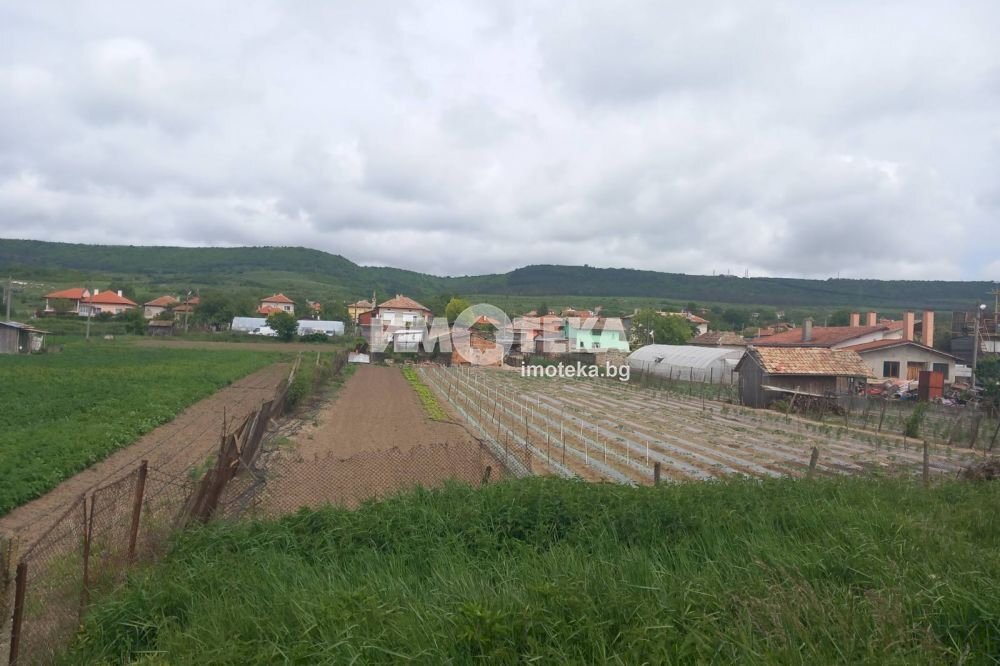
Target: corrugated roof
{"type": "Point", "coordinates": [822, 336]}
{"type": "Point", "coordinates": [23, 327]}
{"type": "Point", "coordinates": [809, 361]}
{"type": "Point", "coordinates": [687, 356]}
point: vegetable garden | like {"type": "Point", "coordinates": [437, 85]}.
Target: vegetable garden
{"type": "Point", "coordinates": [62, 412]}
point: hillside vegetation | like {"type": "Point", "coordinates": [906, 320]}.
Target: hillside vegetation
{"type": "Point", "coordinates": [839, 570]}
{"type": "Point", "coordinates": [289, 268]}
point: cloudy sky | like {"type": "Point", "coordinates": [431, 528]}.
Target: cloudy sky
{"type": "Point", "coordinates": [784, 138]}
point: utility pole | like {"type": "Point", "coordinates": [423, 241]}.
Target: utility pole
{"type": "Point", "coordinates": [9, 295]}
{"type": "Point", "coordinates": [90, 309]}
{"type": "Point", "coordinates": [975, 343]}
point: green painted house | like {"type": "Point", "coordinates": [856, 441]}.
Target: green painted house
{"type": "Point", "coordinates": [596, 333]}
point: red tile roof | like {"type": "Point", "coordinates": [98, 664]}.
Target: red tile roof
{"type": "Point", "coordinates": [822, 336]}
{"type": "Point", "coordinates": [885, 344]}
{"type": "Point", "coordinates": [277, 298]}
{"type": "Point", "coordinates": [403, 303]}
{"type": "Point", "coordinates": [363, 304]}
{"type": "Point", "coordinates": [808, 361]}
{"type": "Point", "coordinates": [109, 298]}
{"type": "Point", "coordinates": [268, 309]}
{"type": "Point", "coordinates": [74, 294]}
{"type": "Point", "coordinates": [163, 302]}
{"type": "Point", "coordinates": [719, 339]}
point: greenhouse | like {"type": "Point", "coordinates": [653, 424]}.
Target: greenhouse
{"type": "Point", "coordinates": [687, 362]}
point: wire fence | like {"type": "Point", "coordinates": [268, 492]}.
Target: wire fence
{"type": "Point", "coordinates": [91, 548]}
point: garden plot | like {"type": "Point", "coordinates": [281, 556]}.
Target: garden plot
{"type": "Point", "coordinates": [613, 431]}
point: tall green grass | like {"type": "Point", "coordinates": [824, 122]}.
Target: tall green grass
{"type": "Point", "coordinates": [804, 572]}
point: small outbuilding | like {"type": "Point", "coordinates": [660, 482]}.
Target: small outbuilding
{"type": "Point", "coordinates": [18, 338]}
{"type": "Point", "coordinates": [767, 374]}
{"type": "Point", "coordinates": [160, 327]}
{"type": "Point", "coordinates": [716, 365]}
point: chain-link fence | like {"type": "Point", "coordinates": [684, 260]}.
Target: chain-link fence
{"type": "Point", "coordinates": [289, 481]}
{"type": "Point", "coordinates": [91, 547]}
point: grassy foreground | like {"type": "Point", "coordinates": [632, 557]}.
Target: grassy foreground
{"type": "Point", "coordinates": [62, 412]}
{"type": "Point", "coordinates": [836, 570]}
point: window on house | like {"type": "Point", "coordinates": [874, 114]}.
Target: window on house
{"type": "Point", "coordinates": [596, 345]}
{"type": "Point", "coordinates": [890, 369]}
{"type": "Point", "coordinates": [581, 344]}
{"type": "Point", "coordinates": [942, 368]}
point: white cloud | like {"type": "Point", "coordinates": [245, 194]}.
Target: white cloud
{"type": "Point", "coordinates": [783, 138]}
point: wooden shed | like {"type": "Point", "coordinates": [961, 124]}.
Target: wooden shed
{"type": "Point", "coordinates": [18, 338]}
{"type": "Point", "coordinates": [770, 373]}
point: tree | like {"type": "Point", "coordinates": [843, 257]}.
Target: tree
{"type": "Point", "coordinates": [284, 324]}
{"type": "Point", "coordinates": [334, 311]}
{"type": "Point", "coordinates": [135, 322]}
{"type": "Point", "coordinates": [542, 310]}
{"type": "Point", "coordinates": [61, 305]}
{"type": "Point", "coordinates": [217, 308]}
{"type": "Point", "coordinates": [736, 318]}
{"type": "Point", "coordinates": [988, 374]}
{"type": "Point", "coordinates": [839, 318]}
{"type": "Point", "coordinates": [650, 328]}
{"type": "Point", "coordinates": [455, 307]}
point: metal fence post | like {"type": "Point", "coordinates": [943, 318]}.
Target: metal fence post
{"type": "Point", "coordinates": [20, 585]}
{"type": "Point", "coordinates": [140, 490]}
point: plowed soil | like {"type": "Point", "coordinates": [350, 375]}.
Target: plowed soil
{"type": "Point", "coordinates": [173, 448]}
{"type": "Point", "coordinates": [372, 439]}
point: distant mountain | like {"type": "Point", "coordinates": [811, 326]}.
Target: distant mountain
{"type": "Point", "coordinates": [271, 267]}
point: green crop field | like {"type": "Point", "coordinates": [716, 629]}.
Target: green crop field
{"type": "Point", "coordinates": [837, 570]}
{"type": "Point", "coordinates": [61, 412]}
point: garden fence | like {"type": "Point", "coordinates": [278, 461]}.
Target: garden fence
{"type": "Point", "coordinates": [45, 590]}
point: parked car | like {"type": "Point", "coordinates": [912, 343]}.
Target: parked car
{"type": "Point", "coordinates": [266, 331]}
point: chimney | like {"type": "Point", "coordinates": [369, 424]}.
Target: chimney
{"type": "Point", "coordinates": [807, 330]}
{"type": "Point", "coordinates": [908, 325]}
{"type": "Point", "coordinates": [873, 318]}
{"type": "Point", "coordinates": [96, 292]}
{"type": "Point", "coordinates": [855, 319]}
{"type": "Point", "coordinates": [119, 292]}
{"type": "Point", "coordinates": [927, 328]}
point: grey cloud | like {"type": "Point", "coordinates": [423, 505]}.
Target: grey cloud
{"type": "Point", "coordinates": [784, 138]}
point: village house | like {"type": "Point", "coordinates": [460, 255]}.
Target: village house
{"type": "Point", "coordinates": [72, 298]}
{"type": "Point", "coordinates": [18, 338]}
{"type": "Point", "coordinates": [276, 303]}
{"type": "Point", "coordinates": [699, 324]}
{"type": "Point", "coordinates": [767, 374]}
{"type": "Point", "coordinates": [595, 333]}
{"type": "Point", "coordinates": [105, 302]}
{"type": "Point", "coordinates": [158, 306]}
{"type": "Point", "coordinates": [835, 337]}
{"type": "Point", "coordinates": [397, 321]}
{"type": "Point", "coordinates": [354, 310]}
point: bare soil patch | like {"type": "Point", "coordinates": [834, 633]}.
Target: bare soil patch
{"type": "Point", "coordinates": [375, 410]}
{"type": "Point", "coordinates": [173, 448]}
{"type": "Point", "coordinates": [373, 438]}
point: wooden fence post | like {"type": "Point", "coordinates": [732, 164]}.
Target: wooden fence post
{"type": "Point", "coordinates": [140, 491]}
{"type": "Point", "coordinates": [656, 473]}
{"type": "Point", "coordinates": [927, 464]}
{"type": "Point", "coordinates": [20, 586]}
{"type": "Point", "coordinates": [813, 459]}
{"type": "Point", "coordinates": [486, 475]}
{"type": "Point", "coordinates": [88, 527]}
{"type": "Point", "coordinates": [995, 433]}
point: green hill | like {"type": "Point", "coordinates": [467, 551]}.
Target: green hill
{"type": "Point", "coordinates": [330, 275]}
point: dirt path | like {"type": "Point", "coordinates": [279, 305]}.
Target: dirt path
{"type": "Point", "coordinates": [172, 448]}
{"type": "Point", "coordinates": [373, 438]}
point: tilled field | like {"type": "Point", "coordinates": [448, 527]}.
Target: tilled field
{"type": "Point", "coordinates": [612, 431]}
